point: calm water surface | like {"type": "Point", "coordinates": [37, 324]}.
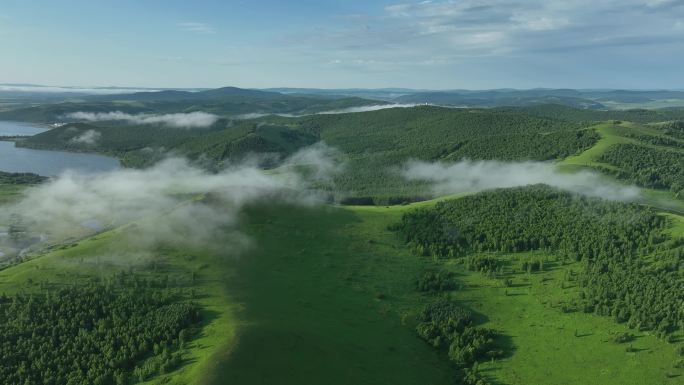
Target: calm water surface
{"type": "Point", "coordinates": [43, 162]}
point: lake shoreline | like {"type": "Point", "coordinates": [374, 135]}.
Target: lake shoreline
{"type": "Point", "coordinates": [15, 157]}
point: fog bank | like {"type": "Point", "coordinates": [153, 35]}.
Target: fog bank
{"type": "Point", "coordinates": [196, 119]}
{"type": "Point", "coordinates": [172, 203]}
{"type": "Point", "coordinates": [473, 176]}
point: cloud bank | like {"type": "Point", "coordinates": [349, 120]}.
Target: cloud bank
{"type": "Point", "coordinates": [376, 107]}
{"type": "Point", "coordinates": [172, 203]}
{"type": "Point", "coordinates": [473, 176]}
{"type": "Point", "coordinates": [75, 90]}
{"type": "Point", "coordinates": [366, 108]}
{"type": "Point", "coordinates": [196, 119]}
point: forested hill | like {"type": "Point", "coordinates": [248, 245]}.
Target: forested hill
{"type": "Point", "coordinates": [378, 142]}
{"type": "Point", "coordinates": [373, 142]}
{"type": "Point", "coordinates": [228, 101]}
{"type": "Point", "coordinates": [570, 114]}
{"type": "Point", "coordinates": [631, 266]}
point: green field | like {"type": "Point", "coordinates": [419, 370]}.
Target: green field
{"type": "Point", "coordinates": [311, 299]}
{"type": "Point", "coordinates": [327, 294]}
{"type": "Point", "coordinates": [553, 347]}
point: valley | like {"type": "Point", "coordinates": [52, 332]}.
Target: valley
{"type": "Point", "coordinates": [333, 280]}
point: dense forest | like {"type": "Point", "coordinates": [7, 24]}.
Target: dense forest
{"type": "Point", "coordinates": [648, 167]}
{"type": "Point", "coordinates": [93, 335]}
{"type": "Point", "coordinates": [675, 129]}
{"type": "Point", "coordinates": [140, 146]}
{"type": "Point", "coordinates": [20, 178]}
{"type": "Point", "coordinates": [376, 143]}
{"type": "Point", "coordinates": [631, 270]}
{"type": "Point", "coordinates": [448, 327]}
{"type": "Point", "coordinates": [569, 114]}
{"type": "Point", "coordinates": [227, 101]}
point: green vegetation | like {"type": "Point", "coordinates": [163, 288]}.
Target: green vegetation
{"type": "Point", "coordinates": [375, 143]}
{"type": "Point", "coordinates": [436, 281]}
{"type": "Point", "coordinates": [649, 144]}
{"type": "Point", "coordinates": [514, 286]}
{"type": "Point", "coordinates": [378, 142]}
{"type": "Point", "coordinates": [648, 167]}
{"type": "Point", "coordinates": [611, 239]}
{"type": "Point", "coordinates": [20, 178]}
{"type": "Point", "coordinates": [12, 185]}
{"type": "Point", "coordinates": [552, 343]}
{"type": "Point", "coordinates": [228, 101]}
{"type": "Point", "coordinates": [99, 334]}
{"type": "Point", "coordinates": [320, 275]}
{"type": "Point", "coordinates": [149, 289]}
{"type": "Point", "coordinates": [140, 146]}
{"type": "Point", "coordinates": [447, 326]}
{"type": "Point", "coordinates": [329, 292]}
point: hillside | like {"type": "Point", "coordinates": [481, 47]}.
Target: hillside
{"type": "Point", "coordinates": [228, 101]}
{"type": "Point", "coordinates": [467, 287]}
{"type": "Point", "coordinates": [373, 142]}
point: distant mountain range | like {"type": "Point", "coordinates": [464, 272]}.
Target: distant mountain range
{"type": "Point", "coordinates": [585, 98]}
{"type": "Point", "coordinates": [297, 100]}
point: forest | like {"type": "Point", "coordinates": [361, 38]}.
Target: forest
{"type": "Point", "coordinates": [376, 143]}
{"type": "Point", "coordinates": [117, 333]}
{"type": "Point", "coordinates": [647, 166]}
{"type": "Point", "coordinates": [20, 178]}
{"type": "Point", "coordinates": [631, 269]}
{"type": "Point", "coordinates": [449, 327]}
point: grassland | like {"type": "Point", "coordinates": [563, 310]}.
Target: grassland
{"type": "Point", "coordinates": [614, 133]}
{"type": "Point", "coordinates": [327, 295]}
{"type": "Point", "coordinates": [101, 256]}
{"type": "Point", "coordinates": [553, 347]}
{"type": "Point", "coordinates": [10, 193]}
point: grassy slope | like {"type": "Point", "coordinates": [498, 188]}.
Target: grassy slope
{"type": "Point", "coordinates": [314, 287]}
{"type": "Point", "coordinates": [589, 157]}
{"type": "Point", "coordinates": [324, 291]}
{"type": "Point", "coordinates": [326, 295]}
{"type": "Point", "coordinates": [106, 253]}
{"type": "Point", "coordinates": [552, 347]}
{"type": "Point", "coordinates": [325, 283]}
{"type": "Point", "coordinates": [10, 192]}
{"type": "Point", "coordinates": [610, 136]}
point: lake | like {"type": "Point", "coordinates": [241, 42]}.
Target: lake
{"type": "Point", "coordinates": [43, 162]}
{"type": "Point", "coordinates": [19, 128]}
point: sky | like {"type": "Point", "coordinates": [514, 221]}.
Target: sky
{"type": "Point", "coordinates": [438, 44]}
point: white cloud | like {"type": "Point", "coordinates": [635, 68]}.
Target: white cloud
{"type": "Point", "coordinates": [181, 120]}
{"type": "Point", "coordinates": [199, 28]}
{"type": "Point", "coordinates": [535, 22]}
{"type": "Point", "coordinates": [79, 90]}
{"type": "Point", "coordinates": [88, 138]}
{"type": "Point", "coordinates": [165, 201]}
{"type": "Point", "coordinates": [473, 176]}
{"type": "Point", "coordinates": [458, 31]}
{"type": "Point", "coordinates": [366, 108]}
{"type": "Point", "coordinates": [376, 107]}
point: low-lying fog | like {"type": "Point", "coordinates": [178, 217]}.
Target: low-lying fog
{"type": "Point", "coordinates": [473, 176]}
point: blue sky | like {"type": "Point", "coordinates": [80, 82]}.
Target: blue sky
{"type": "Point", "coordinates": [435, 44]}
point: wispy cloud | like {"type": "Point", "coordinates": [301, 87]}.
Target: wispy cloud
{"type": "Point", "coordinates": [473, 176]}
{"type": "Point", "coordinates": [439, 32]}
{"type": "Point", "coordinates": [88, 138]}
{"type": "Point", "coordinates": [196, 119]}
{"type": "Point", "coordinates": [194, 27]}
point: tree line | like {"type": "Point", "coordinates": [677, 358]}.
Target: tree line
{"type": "Point", "coordinates": [94, 334]}
{"type": "Point", "coordinates": [631, 269]}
